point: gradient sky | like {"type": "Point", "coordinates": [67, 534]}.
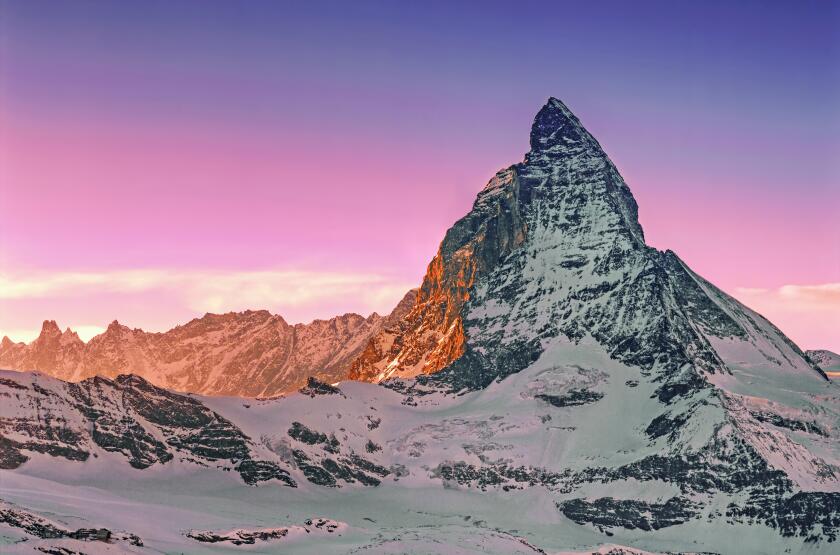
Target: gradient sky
{"type": "Point", "coordinates": [163, 159]}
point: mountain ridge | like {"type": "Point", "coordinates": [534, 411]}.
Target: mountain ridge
{"type": "Point", "coordinates": [270, 356]}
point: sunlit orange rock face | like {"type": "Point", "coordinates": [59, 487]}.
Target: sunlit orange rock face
{"type": "Point", "coordinates": [251, 353]}
{"type": "Point", "coordinates": [54, 352]}
{"type": "Point", "coordinates": [432, 335]}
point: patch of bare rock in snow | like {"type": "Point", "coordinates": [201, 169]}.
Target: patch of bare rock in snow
{"type": "Point", "coordinates": [280, 535]}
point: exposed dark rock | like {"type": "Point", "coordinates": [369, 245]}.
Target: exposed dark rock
{"type": "Point", "coordinates": [57, 450]}
{"type": "Point", "coordinates": [132, 440]}
{"type": "Point", "coordinates": [366, 465]}
{"type": "Point", "coordinates": [681, 385]}
{"type": "Point", "coordinates": [39, 527]}
{"type": "Point", "coordinates": [11, 384]}
{"type": "Point", "coordinates": [797, 515]}
{"type": "Point", "coordinates": [498, 474]}
{"type": "Point", "coordinates": [314, 387]}
{"type": "Point", "coordinates": [665, 424]}
{"type": "Point", "coordinates": [10, 455]}
{"type": "Point", "coordinates": [30, 523]}
{"type": "Point", "coordinates": [332, 444]}
{"type": "Point", "coordinates": [240, 537]}
{"type": "Point", "coordinates": [217, 440]}
{"type": "Point", "coordinates": [312, 472]}
{"type": "Point", "coordinates": [731, 469]}
{"type": "Point", "coordinates": [250, 537]}
{"type": "Point", "coordinates": [790, 424]}
{"type": "Point", "coordinates": [253, 472]}
{"type": "Point", "coordinates": [474, 370]}
{"type": "Point", "coordinates": [607, 512]}
{"type": "Point", "coordinates": [91, 534]}
{"type": "Point", "coordinates": [463, 473]}
{"type": "Point", "coordinates": [573, 398]}
{"type": "Point", "coordinates": [328, 471]}
{"type": "Point", "coordinates": [303, 434]}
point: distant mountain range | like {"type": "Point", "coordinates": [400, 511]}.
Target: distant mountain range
{"type": "Point", "coordinates": [554, 385]}
{"type": "Point", "coordinates": [252, 353]}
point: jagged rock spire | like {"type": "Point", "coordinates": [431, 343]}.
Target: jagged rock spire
{"type": "Point", "coordinates": [50, 328]}
{"type": "Point", "coordinates": [553, 123]}
{"type": "Point", "coordinates": [564, 154]}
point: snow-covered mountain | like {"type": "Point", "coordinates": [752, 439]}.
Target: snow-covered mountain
{"type": "Point", "coordinates": [551, 248]}
{"type": "Point", "coordinates": [252, 353]}
{"type": "Point", "coordinates": [827, 360]}
{"type": "Point", "coordinates": [556, 386]}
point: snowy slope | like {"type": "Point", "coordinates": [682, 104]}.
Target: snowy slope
{"type": "Point", "coordinates": [496, 467]}
{"type": "Point", "coordinates": [246, 353]}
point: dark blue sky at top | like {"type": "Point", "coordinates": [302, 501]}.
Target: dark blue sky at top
{"type": "Point", "coordinates": [767, 61]}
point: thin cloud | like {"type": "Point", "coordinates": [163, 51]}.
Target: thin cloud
{"type": "Point", "coordinates": [809, 314]}
{"type": "Point", "coordinates": [811, 297]}
{"type": "Point", "coordinates": [826, 294]}
{"type": "Point", "coordinates": [33, 286]}
{"type": "Point", "coordinates": [217, 291]}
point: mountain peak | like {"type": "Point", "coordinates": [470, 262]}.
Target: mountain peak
{"type": "Point", "coordinates": [554, 103]}
{"type": "Point", "coordinates": [115, 328]}
{"type": "Point", "coordinates": [49, 328]}
{"type": "Point", "coordinates": [70, 336]}
{"type": "Point", "coordinates": [556, 125]}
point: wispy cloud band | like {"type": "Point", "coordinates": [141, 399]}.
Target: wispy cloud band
{"type": "Point", "coordinates": [214, 291]}
{"type": "Point", "coordinates": [809, 314]}
{"type": "Point", "coordinates": [821, 296]}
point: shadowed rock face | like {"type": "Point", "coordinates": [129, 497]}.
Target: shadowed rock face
{"type": "Point", "coordinates": [129, 416]}
{"type": "Point", "coordinates": [252, 353]}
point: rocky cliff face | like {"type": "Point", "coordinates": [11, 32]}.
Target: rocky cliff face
{"type": "Point", "coordinates": [127, 417]}
{"type": "Point", "coordinates": [431, 336]}
{"type": "Point", "coordinates": [252, 353]}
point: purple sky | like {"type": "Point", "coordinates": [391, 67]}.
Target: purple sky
{"type": "Point", "coordinates": [162, 159]}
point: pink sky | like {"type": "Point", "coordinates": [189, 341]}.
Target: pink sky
{"type": "Point", "coordinates": [156, 228]}
{"type": "Point", "coordinates": [154, 167]}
